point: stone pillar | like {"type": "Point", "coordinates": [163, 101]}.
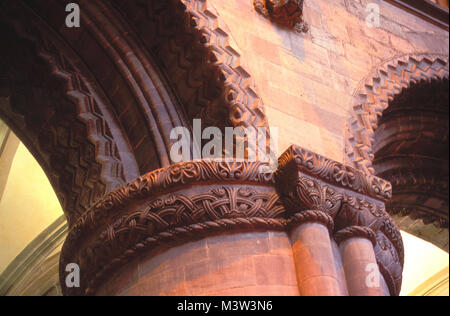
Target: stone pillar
{"type": "Point", "coordinates": [360, 264]}
{"type": "Point", "coordinates": [346, 197]}
{"type": "Point", "coordinates": [198, 228]}
{"type": "Point", "coordinates": [225, 228]}
{"type": "Point", "coordinates": [233, 264]}
{"type": "Point", "coordinates": [313, 254]}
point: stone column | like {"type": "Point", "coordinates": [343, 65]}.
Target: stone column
{"type": "Point", "coordinates": [198, 228]}
{"type": "Point", "coordinates": [313, 254]}
{"type": "Point", "coordinates": [360, 264]}
{"type": "Point", "coordinates": [225, 228]}
{"type": "Point", "coordinates": [346, 196]}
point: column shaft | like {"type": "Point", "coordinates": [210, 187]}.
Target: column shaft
{"type": "Point", "coordinates": [314, 259]}
{"type": "Point", "coordinates": [360, 264]}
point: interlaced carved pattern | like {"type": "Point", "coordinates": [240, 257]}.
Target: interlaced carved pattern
{"type": "Point", "coordinates": [297, 159]}
{"type": "Point", "coordinates": [225, 194]}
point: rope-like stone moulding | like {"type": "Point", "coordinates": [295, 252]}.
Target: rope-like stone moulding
{"type": "Point", "coordinates": [374, 94]}
{"type": "Point", "coordinates": [367, 233]}
{"type": "Point", "coordinates": [308, 181]}
{"type": "Point", "coordinates": [226, 195]}
{"type": "Point", "coordinates": [200, 230]}
{"type": "Point", "coordinates": [165, 179]}
{"type": "Point", "coordinates": [356, 232]}
{"type": "Point", "coordinates": [312, 217]}
{"type": "Point", "coordinates": [184, 233]}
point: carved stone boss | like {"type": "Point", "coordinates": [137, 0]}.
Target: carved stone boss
{"type": "Point", "coordinates": [287, 13]}
{"type": "Point", "coordinates": [193, 200]}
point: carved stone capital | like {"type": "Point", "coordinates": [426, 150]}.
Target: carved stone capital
{"type": "Point", "coordinates": [194, 200]}
{"type": "Point", "coordinates": [310, 181]}
{"type": "Point", "coordinates": [288, 13]}
{"type": "Point", "coordinates": [306, 181]}
{"type": "Point", "coordinates": [184, 201]}
{"type": "Point", "coordinates": [356, 232]}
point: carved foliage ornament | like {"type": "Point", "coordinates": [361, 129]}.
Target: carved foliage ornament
{"type": "Point", "coordinates": [308, 181]}
{"type": "Point", "coordinates": [288, 13]}
{"type": "Point", "coordinates": [298, 160]}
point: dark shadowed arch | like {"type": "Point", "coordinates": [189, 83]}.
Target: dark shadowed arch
{"type": "Point", "coordinates": [372, 150]}
{"type": "Point", "coordinates": [411, 151]}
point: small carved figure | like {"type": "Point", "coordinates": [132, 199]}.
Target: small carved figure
{"type": "Point", "coordinates": [288, 13]}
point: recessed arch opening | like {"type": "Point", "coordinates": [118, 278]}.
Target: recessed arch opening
{"type": "Point", "coordinates": [411, 150]}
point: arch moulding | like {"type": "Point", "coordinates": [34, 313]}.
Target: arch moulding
{"type": "Point", "coordinates": [371, 99]}
{"type": "Point", "coordinates": [375, 92]}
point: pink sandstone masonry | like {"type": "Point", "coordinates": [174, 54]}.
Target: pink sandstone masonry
{"type": "Point", "coordinates": [308, 80]}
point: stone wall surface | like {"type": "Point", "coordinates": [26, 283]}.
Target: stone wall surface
{"type": "Point", "coordinates": [307, 80]}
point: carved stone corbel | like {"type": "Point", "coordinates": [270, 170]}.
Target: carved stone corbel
{"type": "Point", "coordinates": [287, 13]}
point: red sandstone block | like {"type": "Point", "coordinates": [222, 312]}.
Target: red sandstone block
{"type": "Point", "coordinates": [169, 282]}
{"type": "Point", "coordinates": [220, 274]}
{"type": "Point", "coordinates": [327, 41]}
{"type": "Point", "coordinates": [237, 245]}
{"type": "Point", "coordinates": [358, 249]}
{"type": "Point", "coordinates": [275, 270]}
{"type": "Point", "coordinates": [279, 243]}
{"type": "Point", "coordinates": [264, 48]}
{"type": "Point", "coordinates": [120, 281]}
{"type": "Point", "coordinates": [156, 263]}
{"type": "Point", "coordinates": [320, 286]}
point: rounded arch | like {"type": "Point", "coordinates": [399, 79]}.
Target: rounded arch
{"type": "Point", "coordinates": [103, 99]}
{"type": "Point", "coordinates": [389, 135]}
{"type": "Point", "coordinates": [375, 92]}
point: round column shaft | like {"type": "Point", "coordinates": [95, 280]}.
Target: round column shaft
{"type": "Point", "coordinates": [360, 264]}
{"type": "Point", "coordinates": [313, 254]}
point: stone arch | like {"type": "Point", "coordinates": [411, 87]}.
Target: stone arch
{"type": "Point", "coordinates": [194, 44]}
{"type": "Point", "coordinates": [371, 144]}
{"type": "Point", "coordinates": [411, 151]}
{"type": "Point", "coordinates": [373, 95]}
{"type": "Point", "coordinates": [123, 92]}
